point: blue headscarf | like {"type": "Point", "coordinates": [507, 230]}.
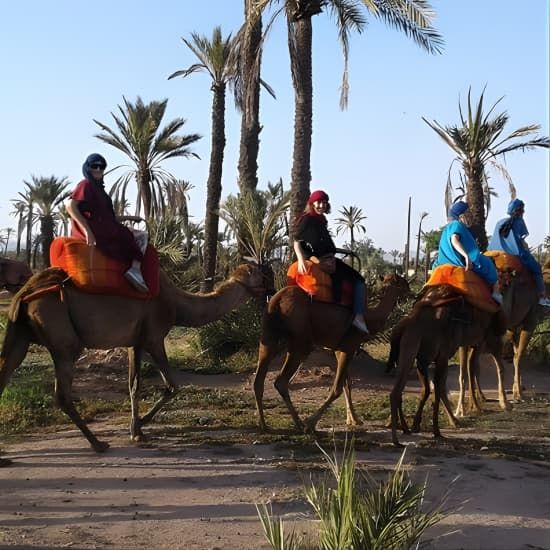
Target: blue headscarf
{"type": "Point", "coordinates": [457, 209]}
{"type": "Point", "coordinates": [514, 205]}
{"type": "Point", "coordinates": [94, 158]}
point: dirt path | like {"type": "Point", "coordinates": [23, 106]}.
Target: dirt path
{"type": "Point", "coordinates": [169, 495]}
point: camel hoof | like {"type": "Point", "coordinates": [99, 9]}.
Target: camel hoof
{"type": "Point", "coordinates": [397, 444]}
{"type": "Point", "coordinates": [5, 462]}
{"type": "Point", "coordinates": [354, 423]}
{"type": "Point", "coordinates": [100, 446]}
{"type": "Point", "coordinates": [439, 436]}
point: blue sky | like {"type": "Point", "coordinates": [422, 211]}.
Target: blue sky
{"type": "Point", "coordinates": [64, 63]}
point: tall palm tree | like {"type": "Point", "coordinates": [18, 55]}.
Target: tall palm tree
{"type": "Point", "coordinates": [413, 17]}
{"type": "Point", "coordinates": [47, 194]}
{"type": "Point", "coordinates": [147, 145]}
{"type": "Point", "coordinates": [478, 142]}
{"type": "Point", "coordinates": [20, 210]}
{"type": "Point", "coordinates": [217, 57]}
{"type": "Point", "coordinates": [351, 221]}
{"type": "Point", "coordinates": [394, 255]}
{"type": "Point", "coordinates": [422, 216]}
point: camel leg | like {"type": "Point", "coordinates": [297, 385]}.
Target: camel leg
{"type": "Point", "coordinates": [440, 395]}
{"type": "Point", "coordinates": [462, 361]}
{"type": "Point", "coordinates": [266, 353]}
{"type": "Point", "coordinates": [158, 354]}
{"type": "Point", "coordinates": [64, 372]}
{"type": "Point", "coordinates": [134, 382]}
{"type": "Point", "coordinates": [472, 365]}
{"type": "Point", "coordinates": [291, 365]}
{"type": "Point", "coordinates": [14, 350]}
{"type": "Point", "coordinates": [524, 337]}
{"type": "Point", "coordinates": [409, 346]}
{"type": "Point", "coordinates": [342, 375]}
{"type": "Point", "coordinates": [422, 371]}
{"type": "Point", "coordinates": [352, 419]}
{"type": "Point", "coordinates": [502, 401]}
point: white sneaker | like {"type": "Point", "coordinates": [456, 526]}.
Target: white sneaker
{"type": "Point", "coordinates": [359, 323]}
{"type": "Point", "coordinates": [135, 278]}
{"type": "Point", "coordinates": [497, 297]}
{"type": "Point", "coordinates": [544, 302]}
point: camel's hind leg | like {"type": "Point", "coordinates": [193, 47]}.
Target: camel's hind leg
{"type": "Point", "coordinates": [341, 378]}
{"type": "Point", "coordinates": [422, 371]}
{"type": "Point", "coordinates": [293, 360]}
{"type": "Point", "coordinates": [519, 350]}
{"type": "Point", "coordinates": [440, 394]}
{"type": "Point", "coordinates": [266, 353]}
{"type": "Point", "coordinates": [158, 354]}
{"type": "Point", "coordinates": [64, 372]}
{"type": "Point", "coordinates": [473, 378]}
{"type": "Point", "coordinates": [134, 384]}
{"type": "Point", "coordinates": [462, 362]}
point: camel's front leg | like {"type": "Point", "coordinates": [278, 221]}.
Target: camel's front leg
{"type": "Point", "coordinates": [134, 382]}
{"type": "Point", "coordinates": [265, 356]}
{"type": "Point", "coordinates": [440, 394]}
{"type": "Point", "coordinates": [524, 337]}
{"type": "Point", "coordinates": [342, 375]}
{"type": "Point", "coordinates": [422, 371]}
{"type": "Point", "coordinates": [158, 354]}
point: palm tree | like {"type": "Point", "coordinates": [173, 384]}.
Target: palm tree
{"type": "Point", "coordinates": [217, 57]}
{"type": "Point", "coordinates": [413, 17]}
{"type": "Point", "coordinates": [422, 216]}
{"type": "Point", "coordinates": [431, 242]}
{"type": "Point", "coordinates": [394, 255]}
{"type": "Point", "coordinates": [47, 194]}
{"type": "Point", "coordinates": [20, 210]}
{"type": "Point", "coordinates": [478, 142]}
{"type": "Point", "coordinates": [147, 145]}
{"type": "Point", "coordinates": [351, 221]}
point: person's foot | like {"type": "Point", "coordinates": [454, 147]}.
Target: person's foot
{"type": "Point", "coordinates": [544, 301]}
{"type": "Point", "coordinates": [497, 297]}
{"type": "Point", "coordinates": [359, 323]}
{"type": "Point", "coordinates": [135, 278]}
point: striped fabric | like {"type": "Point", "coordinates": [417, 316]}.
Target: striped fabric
{"type": "Point", "coordinates": [93, 272]}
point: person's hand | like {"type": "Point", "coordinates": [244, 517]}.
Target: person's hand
{"type": "Point", "coordinates": [469, 265]}
{"type": "Point", "coordinates": [302, 267]}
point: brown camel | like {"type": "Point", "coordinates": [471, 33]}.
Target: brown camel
{"type": "Point", "coordinates": [293, 318]}
{"type": "Point", "coordinates": [69, 320]}
{"type": "Point", "coordinates": [439, 323]}
{"type": "Point", "coordinates": [520, 308]}
{"type": "Point", "coordinates": [13, 274]}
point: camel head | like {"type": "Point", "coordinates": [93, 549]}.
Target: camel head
{"type": "Point", "coordinates": [256, 278]}
{"type": "Point", "coordinates": [397, 282]}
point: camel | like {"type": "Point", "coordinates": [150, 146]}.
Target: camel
{"type": "Point", "coordinates": [439, 323]}
{"type": "Point", "coordinates": [67, 320]}
{"type": "Point", "coordinates": [301, 323]}
{"type": "Point", "coordinates": [13, 274]}
{"type": "Point", "coordinates": [520, 302]}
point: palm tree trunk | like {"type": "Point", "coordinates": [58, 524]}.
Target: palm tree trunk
{"type": "Point", "coordinates": [46, 238]}
{"type": "Point", "coordinates": [20, 227]}
{"type": "Point", "coordinates": [214, 188]}
{"type": "Point", "coordinates": [250, 120]}
{"type": "Point", "coordinates": [144, 188]}
{"type": "Point", "coordinates": [29, 233]}
{"type": "Point", "coordinates": [476, 202]}
{"type": "Point", "coordinates": [408, 244]}
{"type": "Point", "coordinates": [300, 40]}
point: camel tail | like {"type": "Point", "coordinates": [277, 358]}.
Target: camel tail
{"type": "Point", "coordinates": [395, 345]}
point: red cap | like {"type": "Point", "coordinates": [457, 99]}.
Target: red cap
{"type": "Point", "coordinates": [317, 196]}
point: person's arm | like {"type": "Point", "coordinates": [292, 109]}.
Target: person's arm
{"type": "Point", "coordinates": [300, 257]}
{"type": "Point", "coordinates": [457, 245]}
{"type": "Point", "coordinates": [79, 218]}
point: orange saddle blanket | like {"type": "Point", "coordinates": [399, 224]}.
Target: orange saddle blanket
{"type": "Point", "coordinates": [318, 284]}
{"type": "Point", "coordinates": [92, 271]}
{"type": "Point", "coordinates": [503, 260]}
{"type": "Point", "coordinates": [472, 286]}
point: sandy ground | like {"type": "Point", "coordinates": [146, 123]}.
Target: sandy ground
{"type": "Point", "coordinates": [166, 494]}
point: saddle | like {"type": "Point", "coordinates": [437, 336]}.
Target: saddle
{"type": "Point", "coordinates": [466, 283]}
{"type": "Point", "coordinates": [93, 272]}
{"type": "Point", "coordinates": [318, 283]}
